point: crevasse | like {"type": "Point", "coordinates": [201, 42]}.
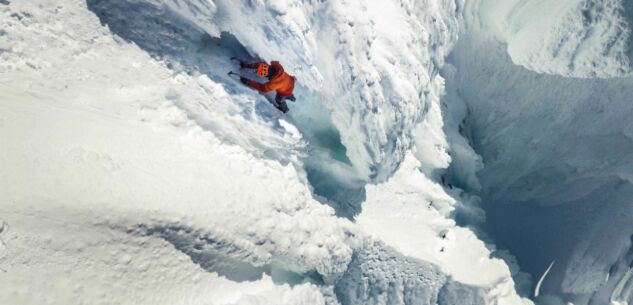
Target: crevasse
{"type": "Point", "coordinates": [134, 170]}
{"type": "Point", "coordinates": [549, 111]}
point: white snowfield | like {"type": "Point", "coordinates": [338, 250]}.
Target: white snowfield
{"type": "Point", "coordinates": [133, 170]}
{"type": "Point", "coordinates": [574, 38]}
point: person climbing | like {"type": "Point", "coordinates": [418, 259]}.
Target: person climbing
{"type": "Point", "coordinates": [278, 80]}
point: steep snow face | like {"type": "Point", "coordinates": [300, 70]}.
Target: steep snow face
{"type": "Point", "coordinates": [365, 79]}
{"type": "Point", "coordinates": [556, 184]}
{"type": "Point", "coordinates": [577, 38]}
{"type": "Point", "coordinates": [368, 73]}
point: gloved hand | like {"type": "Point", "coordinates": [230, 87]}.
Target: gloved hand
{"type": "Point", "coordinates": [244, 80]}
{"type": "Point", "coordinates": [242, 64]}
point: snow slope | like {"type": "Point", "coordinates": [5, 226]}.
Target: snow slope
{"type": "Point", "coordinates": [135, 171]}
{"type": "Point", "coordinates": [65, 257]}
{"type": "Point", "coordinates": [557, 178]}
{"type": "Point", "coordinates": [90, 127]}
{"type": "Point", "coordinates": [577, 38]}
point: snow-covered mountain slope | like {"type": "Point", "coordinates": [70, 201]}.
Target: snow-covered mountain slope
{"type": "Point", "coordinates": [556, 185]}
{"type": "Point", "coordinates": [577, 38]}
{"type": "Point", "coordinates": [133, 170]}
{"type": "Point", "coordinates": [370, 71]}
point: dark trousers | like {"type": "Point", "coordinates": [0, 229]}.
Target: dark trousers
{"type": "Point", "coordinates": [280, 103]}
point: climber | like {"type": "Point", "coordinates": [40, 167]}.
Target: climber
{"type": "Point", "coordinates": [278, 80]}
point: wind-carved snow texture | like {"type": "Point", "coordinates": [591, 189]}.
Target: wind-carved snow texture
{"type": "Point", "coordinates": [401, 280]}
{"type": "Point", "coordinates": [577, 38]}
{"type": "Point", "coordinates": [557, 181]}
{"type": "Point", "coordinates": [216, 254]}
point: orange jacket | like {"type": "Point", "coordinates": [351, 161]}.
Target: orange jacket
{"type": "Point", "coordinates": [281, 82]}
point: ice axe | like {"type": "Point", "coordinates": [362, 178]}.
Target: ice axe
{"type": "Point", "coordinates": [231, 73]}
{"type": "Point", "coordinates": [242, 79]}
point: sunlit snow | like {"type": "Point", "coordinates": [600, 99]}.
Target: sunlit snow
{"type": "Point", "coordinates": [439, 152]}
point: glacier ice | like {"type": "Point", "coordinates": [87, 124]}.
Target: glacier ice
{"type": "Point", "coordinates": [556, 149]}
{"type": "Point", "coordinates": [574, 38]}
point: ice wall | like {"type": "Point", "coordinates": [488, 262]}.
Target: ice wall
{"type": "Point", "coordinates": [556, 184]}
